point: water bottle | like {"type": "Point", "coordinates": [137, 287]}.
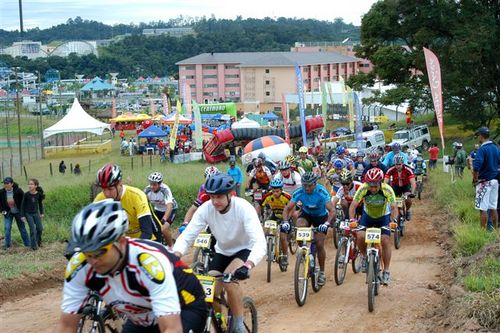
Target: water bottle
{"type": "Point", "coordinates": [221, 320]}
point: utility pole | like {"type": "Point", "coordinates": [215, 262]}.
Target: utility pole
{"type": "Point", "coordinates": [21, 19]}
{"type": "Point", "coordinates": [18, 108]}
{"type": "Point", "coordinates": [40, 113]}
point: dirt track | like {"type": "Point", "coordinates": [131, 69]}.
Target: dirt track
{"type": "Point", "coordinates": [404, 306]}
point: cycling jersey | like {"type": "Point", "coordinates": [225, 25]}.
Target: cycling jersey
{"type": "Point", "coordinates": [313, 204]}
{"type": "Point", "coordinates": [290, 183]}
{"type": "Point", "coordinates": [350, 194]}
{"type": "Point", "coordinates": [135, 203]}
{"type": "Point", "coordinates": [162, 198]}
{"type": "Point", "coordinates": [400, 178]}
{"type": "Point", "coordinates": [307, 164]}
{"type": "Point", "coordinates": [277, 204]}
{"type": "Point", "coordinates": [360, 167]}
{"type": "Point", "coordinates": [377, 204]}
{"type": "Point", "coordinates": [263, 176]}
{"type": "Point", "coordinates": [151, 283]}
{"type": "Point", "coordinates": [419, 168]}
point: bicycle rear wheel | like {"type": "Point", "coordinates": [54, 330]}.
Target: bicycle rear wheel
{"type": "Point", "coordinates": [356, 262]}
{"type": "Point", "coordinates": [250, 315]}
{"type": "Point", "coordinates": [397, 238]}
{"type": "Point", "coordinates": [281, 256]}
{"type": "Point", "coordinates": [371, 283]}
{"type": "Point", "coordinates": [270, 257]}
{"type": "Point", "coordinates": [300, 278]}
{"type": "Point", "coordinates": [419, 190]}
{"type": "Point", "coordinates": [341, 262]}
{"type": "Point", "coordinates": [314, 273]}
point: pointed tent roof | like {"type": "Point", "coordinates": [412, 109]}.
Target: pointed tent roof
{"type": "Point", "coordinates": [153, 132]}
{"type": "Point", "coordinates": [245, 123]}
{"type": "Point", "coordinates": [97, 84]}
{"type": "Point", "coordinates": [76, 120]}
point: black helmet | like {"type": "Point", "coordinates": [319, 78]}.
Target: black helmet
{"type": "Point", "coordinates": [309, 178]}
{"type": "Point", "coordinates": [219, 184]}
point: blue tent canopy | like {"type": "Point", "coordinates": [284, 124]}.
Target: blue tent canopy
{"type": "Point", "coordinates": [270, 116]}
{"type": "Point", "coordinates": [153, 132]}
{"type": "Point", "coordinates": [97, 84]}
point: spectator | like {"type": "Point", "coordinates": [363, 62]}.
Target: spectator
{"type": "Point", "coordinates": [62, 167]}
{"type": "Point", "coordinates": [433, 156]}
{"type": "Point", "coordinates": [460, 160]}
{"type": "Point", "coordinates": [11, 198]}
{"type": "Point", "coordinates": [77, 170]}
{"type": "Point", "coordinates": [122, 134]}
{"type": "Point", "coordinates": [235, 172]}
{"type": "Point", "coordinates": [485, 177]}
{"type": "Point", "coordinates": [32, 212]}
{"type": "Point", "coordinates": [472, 156]}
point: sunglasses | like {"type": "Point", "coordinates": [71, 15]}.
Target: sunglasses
{"type": "Point", "coordinates": [99, 253]}
{"type": "Point", "coordinates": [346, 183]}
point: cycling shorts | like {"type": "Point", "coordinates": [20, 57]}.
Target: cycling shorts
{"type": "Point", "coordinates": [369, 222]}
{"type": "Point", "coordinates": [400, 190]}
{"type": "Point", "coordinates": [220, 262]}
{"type": "Point", "coordinates": [315, 221]}
{"type": "Point", "coordinates": [171, 218]}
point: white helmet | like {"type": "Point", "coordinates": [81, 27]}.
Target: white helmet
{"type": "Point", "coordinates": [98, 225]}
{"type": "Point", "coordinates": [210, 171]}
{"type": "Point", "coordinates": [155, 177]}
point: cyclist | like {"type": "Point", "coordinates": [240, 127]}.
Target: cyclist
{"type": "Point", "coordinates": [395, 150]}
{"type": "Point", "coordinates": [140, 279]}
{"type": "Point", "coordinates": [241, 243]}
{"type": "Point", "coordinates": [305, 161]}
{"type": "Point", "coordinates": [291, 179]}
{"type": "Point", "coordinates": [419, 166]}
{"type": "Point", "coordinates": [134, 202]}
{"type": "Point", "coordinates": [259, 179]}
{"type": "Point", "coordinates": [379, 207]}
{"type": "Point", "coordinates": [294, 165]}
{"type": "Point", "coordinates": [360, 165]}
{"type": "Point", "coordinates": [374, 158]}
{"type": "Point", "coordinates": [164, 204]}
{"type": "Point", "coordinates": [317, 211]}
{"type": "Point", "coordinates": [341, 154]}
{"type": "Point", "coordinates": [333, 175]}
{"type": "Point", "coordinates": [402, 180]}
{"type": "Point", "coordinates": [277, 201]}
{"type": "Point", "coordinates": [346, 192]}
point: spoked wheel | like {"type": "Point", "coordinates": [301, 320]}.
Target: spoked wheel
{"type": "Point", "coordinates": [90, 322]}
{"type": "Point", "coordinates": [341, 261]}
{"type": "Point", "coordinates": [197, 264]}
{"type": "Point", "coordinates": [300, 278]}
{"type": "Point", "coordinates": [314, 273]}
{"type": "Point", "coordinates": [249, 315]}
{"type": "Point", "coordinates": [419, 190]}
{"type": "Point", "coordinates": [292, 243]}
{"type": "Point", "coordinates": [402, 227]}
{"type": "Point", "coordinates": [270, 257]}
{"type": "Point", "coordinates": [337, 236]}
{"type": "Point", "coordinates": [356, 263]}
{"type": "Point", "coordinates": [397, 238]}
{"type": "Point", "coordinates": [281, 257]}
{"type": "Point", "coordinates": [372, 282]}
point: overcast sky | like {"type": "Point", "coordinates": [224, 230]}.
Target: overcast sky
{"type": "Point", "coordinates": [47, 13]}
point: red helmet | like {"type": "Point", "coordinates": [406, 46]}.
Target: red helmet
{"type": "Point", "coordinates": [374, 175]}
{"type": "Point", "coordinates": [109, 175]}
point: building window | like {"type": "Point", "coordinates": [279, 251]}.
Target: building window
{"type": "Point", "coordinates": [351, 65]}
{"type": "Point", "coordinates": [305, 69]}
{"type": "Point", "coordinates": [232, 76]}
{"type": "Point", "coordinates": [306, 80]}
{"type": "Point", "coordinates": [232, 85]}
{"type": "Point", "coordinates": [210, 67]}
{"type": "Point", "coordinates": [189, 68]}
{"type": "Point", "coordinates": [342, 66]}
{"type": "Point", "coordinates": [268, 93]}
{"type": "Point", "coordinates": [210, 85]}
{"type": "Point", "coordinates": [268, 82]}
{"type": "Point", "coordinates": [325, 79]}
{"type": "Point", "coordinates": [325, 67]}
{"type": "Point", "coordinates": [230, 66]}
{"type": "Point", "coordinates": [316, 68]}
{"type": "Point", "coordinates": [193, 94]}
{"type": "Point", "coordinates": [214, 76]}
{"type": "Point", "coordinates": [209, 93]}
{"type": "Point", "coordinates": [192, 86]}
{"type": "Point", "coordinates": [267, 70]}
{"type": "Point", "coordinates": [190, 77]}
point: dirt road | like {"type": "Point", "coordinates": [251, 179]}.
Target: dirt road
{"type": "Point", "coordinates": [401, 307]}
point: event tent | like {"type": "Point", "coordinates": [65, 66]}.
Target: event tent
{"type": "Point", "coordinates": [131, 117]}
{"type": "Point", "coordinates": [245, 123]}
{"type": "Point", "coordinates": [270, 116]}
{"type": "Point", "coordinates": [153, 132]}
{"type": "Point", "coordinates": [170, 119]}
{"type": "Point", "coordinates": [76, 120]}
{"type": "Point", "coordinates": [97, 84]}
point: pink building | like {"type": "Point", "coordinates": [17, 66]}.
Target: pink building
{"type": "Point", "coordinates": [257, 80]}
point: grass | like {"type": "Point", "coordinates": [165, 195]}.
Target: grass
{"type": "Point", "coordinates": [485, 277]}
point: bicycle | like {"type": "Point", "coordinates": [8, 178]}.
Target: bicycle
{"type": "Point", "coordinates": [420, 185]}
{"type": "Point", "coordinates": [347, 251]}
{"type": "Point", "coordinates": [97, 317]}
{"type": "Point", "coordinates": [274, 252]}
{"type": "Point", "coordinates": [305, 265]}
{"type": "Point", "coordinates": [401, 219]}
{"type": "Point", "coordinates": [203, 253]}
{"type": "Point", "coordinates": [337, 231]}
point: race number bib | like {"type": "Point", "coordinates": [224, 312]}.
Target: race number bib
{"type": "Point", "coordinates": [373, 236]}
{"type": "Point", "coordinates": [420, 178]}
{"type": "Point", "coordinates": [270, 224]}
{"type": "Point", "coordinates": [399, 202]}
{"type": "Point", "coordinates": [257, 196]}
{"type": "Point", "coordinates": [208, 284]}
{"type": "Point", "coordinates": [304, 234]}
{"type": "Point", "coordinates": [202, 241]}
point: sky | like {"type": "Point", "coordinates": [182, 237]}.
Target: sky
{"type": "Point", "coordinates": [47, 13]}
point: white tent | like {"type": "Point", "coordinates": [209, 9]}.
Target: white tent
{"type": "Point", "coordinates": [76, 120]}
{"type": "Point", "coordinates": [245, 123]}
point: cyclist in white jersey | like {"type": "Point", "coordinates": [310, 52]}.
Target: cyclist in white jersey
{"type": "Point", "coordinates": [291, 179]}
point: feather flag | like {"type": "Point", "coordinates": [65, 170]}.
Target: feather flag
{"type": "Point", "coordinates": [284, 111]}
{"type": "Point", "coordinates": [359, 124]}
{"type": "Point", "coordinates": [324, 103]}
{"type": "Point", "coordinates": [113, 107]}
{"type": "Point", "coordinates": [187, 100]}
{"type": "Point", "coordinates": [198, 131]}
{"type": "Point", "coordinates": [300, 93]}
{"type": "Point", "coordinates": [165, 104]}
{"type": "Point", "coordinates": [434, 74]}
{"type": "Point", "coordinates": [175, 127]}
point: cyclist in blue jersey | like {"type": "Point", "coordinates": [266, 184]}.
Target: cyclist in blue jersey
{"type": "Point", "coordinates": [317, 211]}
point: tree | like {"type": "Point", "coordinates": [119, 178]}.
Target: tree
{"type": "Point", "coordinates": [464, 36]}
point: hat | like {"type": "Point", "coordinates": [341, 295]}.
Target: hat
{"type": "Point", "coordinates": [483, 131]}
{"type": "Point", "coordinates": [8, 180]}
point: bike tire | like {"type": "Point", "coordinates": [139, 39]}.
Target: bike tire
{"type": "Point", "coordinates": [419, 191]}
{"type": "Point", "coordinates": [314, 273]}
{"type": "Point", "coordinates": [283, 267]}
{"type": "Point", "coordinates": [250, 315]}
{"type": "Point", "coordinates": [96, 324]}
{"type": "Point", "coordinates": [292, 243]}
{"type": "Point", "coordinates": [270, 257]}
{"type": "Point", "coordinates": [397, 238]}
{"type": "Point", "coordinates": [336, 237]}
{"type": "Point", "coordinates": [197, 263]}
{"type": "Point", "coordinates": [300, 278]}
{"type": "Point", "coordinates": [340, 264]}
{"type": "Point", "coordinates": [371, 278]}
{"type": "Point", "coordinates": [356, 262]}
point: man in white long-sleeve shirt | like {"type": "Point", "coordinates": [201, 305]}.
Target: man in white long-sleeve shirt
{"type": "Point", "coordinates": [241, 243]}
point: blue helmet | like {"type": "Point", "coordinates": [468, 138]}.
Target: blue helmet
{"type": "Point", "coordinates": [398, 159]}
{"type": "Point", "coordinates": [396, 146]}
{"type": "Point", "coordinates": [276, 183]}
{"type": "Point", "coordinates": [219, 184]}
{"type": "Point", "coordinates": [340, 150]}
{"type": "Point", "coordinates": [338, 164]}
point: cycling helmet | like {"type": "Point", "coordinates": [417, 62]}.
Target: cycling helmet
{"type": "Point", "coordinates": [360, 154]}
{"type": "Point", "coordinates": [374, 156]}
{"type": "Point", "coordinates": [345, 176]}
{"type": "Point", "coordinates": [155, 177]}
{"type": "Point", "coordinates": [219, 184]}
{"type": "Point", "coordinates": [396, 146]}
{"type": "Point", "coordinates": [257, 162]}
{"type": "Point", "coordinates": [309, 178]}
{"type": "Point", "coordinates": [283, 165]}
{"type": "Point", "coordinates": [398, 159]}
{"type": "Point", "coordinates": [109, 175]}
{"type": "Point", "coordinates": [97, 225]}
{"type": "Point", "coordinates": [374, 175]}
{"type": "Point", "coordinates": [303, 149]}
{"type": "Point", "coordinates": [262, 156]}
{"type": "Point", "coordinates": [232, 159]}
{"type": "Point", "coordinates": [276, 183]}
{"type": "Point", "coordinates": [419, 159]}
{"type": "Point", "coordinates": [211, 170]}
{"type": "Point", "coordinates": [290, 159]}
{"type": "Point", "coordinates": [331, 173]}
{"type": "Point", "coordinates": [340, 150]}
{"type": "Point", "coordinates": [338, 164]}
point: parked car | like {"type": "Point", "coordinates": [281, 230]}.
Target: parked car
{"type": "Point", "coordinates": [417, 135]}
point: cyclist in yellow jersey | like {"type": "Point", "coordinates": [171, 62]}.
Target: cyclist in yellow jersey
{"type": "Point", "coordinates": [379, 209]}
{"type": "Point", "coordinates": [133, 200]}
{"type": "Point", "coordinates": [306, 162]}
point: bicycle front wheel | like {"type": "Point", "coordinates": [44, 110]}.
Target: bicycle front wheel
{"type": "Point", "coordinates": [292, 243]}
{"type": "Point", "coordinates": [397, 238]}
{"type": "Point", "coordinates": [300, 278]}
{"type": "Point", "coordinates": [270, 257]}
{"type": "Point", "coordinates": [90, 324]}
{"type": "Point", "coordinates": [372, 281]}
{"type": "Point", "coordinates": [250, 315]}
{"type": "Point", "coordinates": [341, 260]}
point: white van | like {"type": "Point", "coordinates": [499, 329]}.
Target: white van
{"type": "Point", "coordinates": [375, 138]}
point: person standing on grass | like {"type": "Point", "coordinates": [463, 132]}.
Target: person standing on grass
{"type": "Point", "coordinates": [235, 172]}
{"type": "Point", "coordinates": [62, 167]}
{"type": "Point", "coordinates": [485, 177]}
{"type": "Point", "coordinates": [32, 212]}
{"type": "Point", "coordinates": [77, 171]}
{"type": "Point", "coordinates": [433, 156]}
{"type": "Point", "coordinates": [11, 198]}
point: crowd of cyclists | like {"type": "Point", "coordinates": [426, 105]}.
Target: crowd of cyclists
{"type": "Point", "coordinates": [122, 245]}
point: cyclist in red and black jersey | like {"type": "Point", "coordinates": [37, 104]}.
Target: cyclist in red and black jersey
{"type": "Point", "coordinates": [402, 180]}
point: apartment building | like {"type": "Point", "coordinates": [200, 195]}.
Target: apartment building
{"type": "Point", "coordinates": [257, 80]}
